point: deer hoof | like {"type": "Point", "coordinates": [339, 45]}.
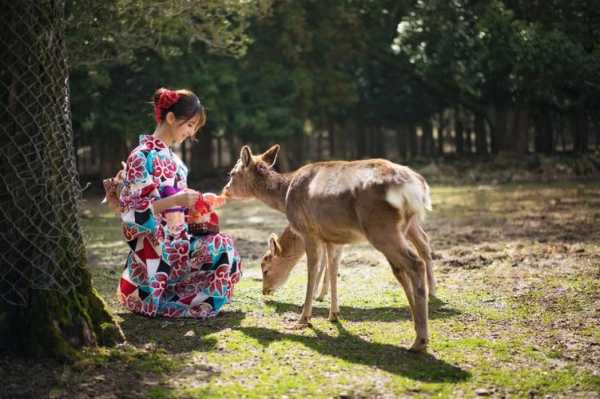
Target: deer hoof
{"type": "Point", "coordinates": [420, 345]}
{"type": "Point", "coordinates": [334, 316]}
{"type": "Point", "coordinates": [320, 298]}
{"type": "Point", "coordinates": [300, 324]}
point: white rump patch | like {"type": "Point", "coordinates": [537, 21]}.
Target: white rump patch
{"type": "Point", "coordinates": [410, 196]}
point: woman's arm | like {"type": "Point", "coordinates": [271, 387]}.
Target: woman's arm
{"type": "Point", "coordinates": [186, 199]}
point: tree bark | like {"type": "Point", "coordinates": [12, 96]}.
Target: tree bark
{"type": "Point", "coordinates": [520, 132]}
{"type": "Point", "coordinates": [427, 138]}
{"type": "Point", "coordinates": [581, 129]}
{"type": "Point", "coordinates": [202, 151]}
{"type": "Point", "coordinates": [401, 142]}
{"type": "Point", "coordinates": [441, 133]}
{"type": "Point", "coordinates": [459, 130]}
{"type": "Point", "coordinates": [480, 134]}
{"type": "Point", "coordinates": [500, 139]}
{"type": "Point", "coordinates": [38, 168]}
{"type": "Point", "coordinates": [413, 149]}
{"type": "Point", "coordinates": [544, 132]}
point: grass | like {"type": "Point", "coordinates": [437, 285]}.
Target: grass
{"type": "Point", "coordinates": [517, 313]}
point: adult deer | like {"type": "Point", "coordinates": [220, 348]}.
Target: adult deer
{"type": "Point", "coordinates": [329, 204]}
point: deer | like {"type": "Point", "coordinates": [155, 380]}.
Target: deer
{"type": "Point", "coordinates": [283, 253]}
{"type": "Point", "coordinates": [333, 203]}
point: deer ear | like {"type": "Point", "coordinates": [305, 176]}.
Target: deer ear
{"type": "Point", "coordinates": [270, 156]}
{"type": "Point", "coordinates": [246, 156]}
{"type": "Point", "coordinates": [274, 245]}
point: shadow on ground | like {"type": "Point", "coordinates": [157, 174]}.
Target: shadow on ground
{"type": "Point", "coordinates": [391, 358]}
{"type": "Point", "coordinates": [177, 336]}
{"type": "Point", "coordinates": [437, 310]}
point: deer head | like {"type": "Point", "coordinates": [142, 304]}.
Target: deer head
{"type": "Point", "coordinates": [276, 266]}
{"type": "Point", "coordinates": [248, 175]}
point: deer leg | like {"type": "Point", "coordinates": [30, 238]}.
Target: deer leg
{"type": "Point", "coordinates": [314, 254]}
{"type": "Point", "coordinates": [407, 266]}
{"type": "Point", "coordinates": [323, 279]}
{"type": "Point", "coordinates": [416, 271]}
{"type": "Point", "coordinates": [419, 238]}
{"type": "Point", "coordinates": [404, 281]}
{"type": "Point", "coordinates": [334, 253]}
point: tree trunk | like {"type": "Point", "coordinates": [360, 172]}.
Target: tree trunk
{"type": "Point", "coordinates": [500, 139]}
{"type": "Point", "coordinates": [361, 141]}
{"type": "Point", "coordinates": [441, 132]}
{"type": "Point", "coordinates": [427, 138]}
{"type": "Point", "coordinates": [469, 140]}
{"type": "Point", "coordinates": [402, 142]}
{"type": "Point", "coordinates": [459, 130]}
{"type": "Point", "coordinates": [520, 132]}
{"type": "Point", "coordinates": [48, 306]}
{"type": "Point", "coordinates": [597, 127]}
{"type": "Point", "coordinates": [544, 132]}
{"type": "Point", "coordinates": [413, 149]}
{"type": "Point", "coordinates": [202, 151]}
{"type": "Point", "coordinates": [333, 152]}
{"type": "Point", "coordinates": [581, 129]}
{"type": "Point", "coordinates": [480, 134]}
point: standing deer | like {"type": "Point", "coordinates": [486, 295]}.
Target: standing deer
{"type": "Point", "coordinates": [329, 204]}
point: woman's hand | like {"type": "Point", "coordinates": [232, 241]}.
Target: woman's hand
{"type": "Point", "coordinates": [188, 198]}
{"type": "Point", "coordinates": [215, 201]}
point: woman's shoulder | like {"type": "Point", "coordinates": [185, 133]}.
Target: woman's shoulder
{"type": "Point", "coordinates": [148, 145]}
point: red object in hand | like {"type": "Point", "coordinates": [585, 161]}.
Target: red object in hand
{"type": "Point", "coordinates": [202, 219]}
{"type": "Point", "coordinates": [201, 207]}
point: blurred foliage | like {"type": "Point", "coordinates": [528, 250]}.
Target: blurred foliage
{"type": "Point", "coordinates": [267, 69]}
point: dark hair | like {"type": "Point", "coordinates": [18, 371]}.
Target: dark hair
{"type": "Point", "coordinates": [184, 104]}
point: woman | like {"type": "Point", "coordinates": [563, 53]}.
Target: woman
{"type": "Point", "coordinates": [169, 271]}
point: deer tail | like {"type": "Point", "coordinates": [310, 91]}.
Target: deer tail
{"type": "Point", "coordinates": [412, 196]}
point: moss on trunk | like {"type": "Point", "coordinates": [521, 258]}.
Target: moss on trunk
{"type": "Point", "coordinates": [58, 324]}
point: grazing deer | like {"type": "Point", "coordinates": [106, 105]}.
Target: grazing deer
{"type": "Point", "coordinates": [329, 204]}
{"type": "Point", "coordinates": [282, 255]}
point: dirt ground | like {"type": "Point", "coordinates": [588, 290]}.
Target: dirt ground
{"type": "Point", "coordinates": [517, 313]}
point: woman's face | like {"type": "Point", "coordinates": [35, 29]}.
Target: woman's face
{"type": "Point", "coordinates": [185, 129]}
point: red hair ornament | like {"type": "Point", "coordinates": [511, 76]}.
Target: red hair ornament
{"type": "Point", "coordinates": [167, 99]}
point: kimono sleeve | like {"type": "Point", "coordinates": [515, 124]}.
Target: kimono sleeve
{"type": "Point", "coordinates": [139, 193]}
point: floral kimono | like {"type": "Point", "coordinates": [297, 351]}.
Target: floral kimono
{"type": "Point", "coordinates": [169, 273]}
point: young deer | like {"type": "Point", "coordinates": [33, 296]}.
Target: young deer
{"type": "Point", "coordinates": [329, 204]}
{"type": "Point", "coordinates": [282, 255]}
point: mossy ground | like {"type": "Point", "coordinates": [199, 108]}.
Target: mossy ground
{"type": "Point", "coordinates": [517, 315]}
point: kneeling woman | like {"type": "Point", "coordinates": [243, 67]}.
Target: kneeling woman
{"type": "Point", "coordinates": [173, 270]}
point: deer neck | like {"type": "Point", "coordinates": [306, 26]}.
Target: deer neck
{"type": "Point", "coordinates": [292, 245]}
{"type": "Point", "coordinates": [274, 189]}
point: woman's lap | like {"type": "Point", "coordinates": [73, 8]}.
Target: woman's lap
{"type": "Point", "coordinates": [199, 289]}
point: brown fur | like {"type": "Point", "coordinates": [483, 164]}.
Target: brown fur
{"type": "Point", "coordinates": [282, 255]}
{"type": "Point", "coordinates": [329, 204]}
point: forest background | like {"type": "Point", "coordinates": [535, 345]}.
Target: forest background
{"type": "Point", "coordinates": [511, 85]}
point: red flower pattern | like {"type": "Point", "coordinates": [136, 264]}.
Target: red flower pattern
{"type": "Point", "coordinates": [148, 308]}
{"type": "Point", "coordinates": [139, 272]}
{"type": "Point", "coordinates": [136, 167]}
{"type": "Point", "coordinates": [218, 279]}
{"type": "Point", "coordinates": [163, 168]}
{"type": "Point", "coordinates": [201, 254]}
{"type": "Point", "coordinates": [177, 249]}
{"type": "Point", "coordinates": [129, 232]}
{"type": "Point", "coordinates": [151, 143]}
{"type": "Point", "coordinates": [159, 284]}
